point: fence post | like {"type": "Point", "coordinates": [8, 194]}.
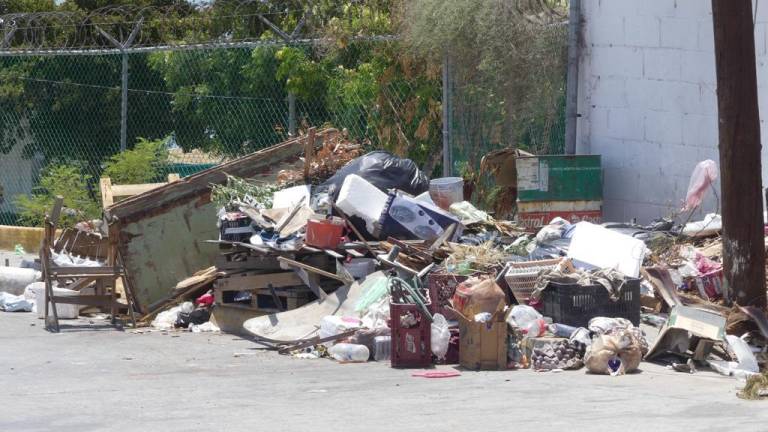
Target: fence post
{"type": "Point", "coordinates": [572, 83]}
{"type": "Point", "coordinates": [124, 103]}
{"type": "Point", "coordinates": [447, 156]}
{"type": "Point", "coordinates": [291, 114]}
{"type": "Point", "coordinates": [123, 46]}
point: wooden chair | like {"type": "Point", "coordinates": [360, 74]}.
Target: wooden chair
{"type": "Point", "coordinates": [110, 191]}
{"type": "Point", "coordinates": [77, 278]}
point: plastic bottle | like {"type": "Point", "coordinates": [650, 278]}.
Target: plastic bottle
{"type": "Point", "coordinates": [349, 353]}
{"type": "Point", "coordinates": [382, 348]}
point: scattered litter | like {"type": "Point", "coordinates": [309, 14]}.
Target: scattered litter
{"type": "Point", "coordinates": [436, 374]}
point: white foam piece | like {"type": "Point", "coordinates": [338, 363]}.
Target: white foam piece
{"type": "Point", "coordinates": [291, 196]}
{"type": "Point", "coordinates": [600, 247]}
{"type": "Point", "coordinates": [360, 198]}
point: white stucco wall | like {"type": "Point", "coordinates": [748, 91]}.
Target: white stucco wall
{"type": "Point", "coordinates": [17, 175]}
{"type": "Point", "coordinates": [647, 99]}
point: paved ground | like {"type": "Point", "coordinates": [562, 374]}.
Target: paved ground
{"type": "Point", "coordinates": [97, 379]}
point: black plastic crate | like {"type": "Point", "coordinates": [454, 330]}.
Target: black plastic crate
{"type": "Point", "coordinates": [236, 228]}
{"type": "Point", "coordinates": [575, 305]}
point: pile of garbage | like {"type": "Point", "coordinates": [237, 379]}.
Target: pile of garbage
{"type": "Point", "coordinates": [362, 257]}
{"type": "Point", "coordinates": [441, 281]}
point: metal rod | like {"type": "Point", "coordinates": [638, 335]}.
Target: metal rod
{"type": "Point", "coordinates": [447, 159]}
{"type": "Point", "coordinates": [124, 104]}
{"type": "Point", "coordinates": [572, 84]}
{"type": "Point", "coordinates": [291, 115]}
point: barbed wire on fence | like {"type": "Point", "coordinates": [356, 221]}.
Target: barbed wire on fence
{"type": "Point", "coordinates": [72, 97]}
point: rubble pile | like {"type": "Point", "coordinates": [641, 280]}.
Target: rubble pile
{"type": "Point", "coordinates": [361, 257]}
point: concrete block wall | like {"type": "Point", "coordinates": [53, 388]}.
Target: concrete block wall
{"type": "Point", "coordinates": [647, 99]}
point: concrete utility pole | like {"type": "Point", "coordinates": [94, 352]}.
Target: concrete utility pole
{"type": "Point", "coordinates": [739, 126]}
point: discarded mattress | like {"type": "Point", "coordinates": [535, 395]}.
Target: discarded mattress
{"type": "Point", "coordinates": [304, 322]}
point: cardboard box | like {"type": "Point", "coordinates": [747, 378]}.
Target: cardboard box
{"type": "Point", "coordinates": [483, 346]}
{"type": "Point", "coordinates": [684, 323]}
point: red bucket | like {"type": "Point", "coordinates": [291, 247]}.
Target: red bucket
{"type": "Point", "coordinates": [324, 234]}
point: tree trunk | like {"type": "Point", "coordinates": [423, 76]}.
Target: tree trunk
{"type": "Point", "coordinates": [739, 127]}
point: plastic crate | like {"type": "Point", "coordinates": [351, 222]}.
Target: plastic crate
{"type": "Point", "coordinates": [411, 347]}
{"type": "Point", "coordinates": [236, 227]}
{"type": "Point", "coordinates": [521, 276]}
{"type": "Point", "coordinates": [575, 305]}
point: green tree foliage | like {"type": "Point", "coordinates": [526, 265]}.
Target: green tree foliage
{"type": "Point", "coordinates": [68, 182]}
{"type": "Point", "coordinates": [142, 164]}
{"type": "Point", "coordinates": [508, 65]}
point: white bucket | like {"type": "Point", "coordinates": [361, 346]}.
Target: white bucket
{"type": "Point", "coordinates": [446, 191]}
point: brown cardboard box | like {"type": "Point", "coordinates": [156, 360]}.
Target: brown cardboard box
{"type": "Point", "coordinates": [483, 346]}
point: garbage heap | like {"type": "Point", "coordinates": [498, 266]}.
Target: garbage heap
{"type": "Point", "coordinates": [377, 262]}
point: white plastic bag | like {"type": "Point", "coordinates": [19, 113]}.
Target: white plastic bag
{"type": "Point", "coordinates": [711, 225]}
{"type": "Point", "coordinates": [165, 320]}
{"type": "Point", "coordinates": [14, 303]}
{"type": "Point", "coordinates": [207, 327]}
{"type": "Point", "coordinates": [441, 336]}
{"type": "Point", "coordinates": [528, 319]}
{"type": "Point", "coordinates": [702, 178]}
{"type": "Point", "coordinates": [13, 280]}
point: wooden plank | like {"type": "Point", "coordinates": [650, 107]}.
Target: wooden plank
{"type": "Point", "coordinates": [246, 166]}
{"type": "Point", "coordinates": [309, 153]}
{"type": "Point", "coordinates": [107, 199]}
{"type": "Point", "coordinates": [83, 271]}
{"type": "Point", "coordinates": [134, 189]}
{"type": "Point", "coordinates": [254, 282]}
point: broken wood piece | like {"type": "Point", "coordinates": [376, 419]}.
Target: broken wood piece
{"type": "Point", "coordinates": [309, 153]}
{"type": "Point", "coordinates": [448, 233]}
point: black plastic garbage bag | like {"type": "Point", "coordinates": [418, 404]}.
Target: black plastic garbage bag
{"type": "Point", "coordinates": [551, 249]}
{"type": "Point", "coordinates": [197, 316]}
{"type": "Point", "coordinates": [383, 170]}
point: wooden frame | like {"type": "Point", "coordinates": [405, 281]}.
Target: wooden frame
{"type": "Point", "coordinates": [110, 191]}
{"type": "Point", "coordinates": [77, 278]}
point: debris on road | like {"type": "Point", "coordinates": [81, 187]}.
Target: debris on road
{"type": "Point", "coordinates": [317, 250]}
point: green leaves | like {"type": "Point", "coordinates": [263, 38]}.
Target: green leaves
{"type": "Point", "coordinates": [64, 180]}
{"type": "Point", "coordinates": [141, 165]}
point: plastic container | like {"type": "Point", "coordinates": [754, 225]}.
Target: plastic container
{"type": "Point", "coordinates": [411, 346]}
{"type": "Point", "coordinates": [575, 305]}
{"type": "Point", "coordinates": [349, 353]}
{"type": "Point", "coordinates": [382, 348]}
{"type": "Point", "coordinates": [332, 325]}
{"type": "Point", "coordinates": [446, 191]}
{"type": "Point", "coordinates": [359, 268]}
{"type": "Point", "coordinates": [324, 234]}
{"type": "Point", "coordinates": [521, 276]}
{"type": "Point", "coordinates": [64, 311]}
{"type": "Point", "coordinates": [235, 227]}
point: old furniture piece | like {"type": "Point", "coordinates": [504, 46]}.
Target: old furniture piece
{"type": "Point", "coordinates": [110, 191]}
{"type": "Point", "coordinates": [78, 277]}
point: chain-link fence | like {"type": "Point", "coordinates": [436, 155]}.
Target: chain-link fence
{"type": "Point", "coordinates": [207, 105]}
{"type": "Point", "coordinates": [519, 105]}
{"type": "Point", "coordinates": [204, 105]}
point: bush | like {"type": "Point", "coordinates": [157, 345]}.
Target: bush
{"type": "Point", "coordinates": [72, 185]}
{"type": "Point", "coordinates": [141, 165]}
